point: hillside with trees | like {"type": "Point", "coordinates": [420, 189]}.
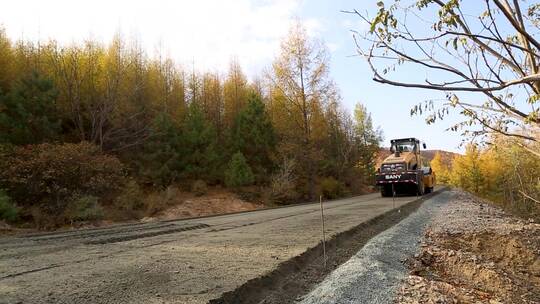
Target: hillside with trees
{"type": "Point", "coordinates": [102, 131]}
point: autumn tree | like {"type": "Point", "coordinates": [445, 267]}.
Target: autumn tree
{"type": "Point", "coordinates": [351, 146]}
{"type": "Point", "coordinates": [483, 56]}
{"type": "Point", "coordinates": [441, 168]}
{"type": "Point", "coordinates": [286, 131]}
{"type": "Point", "coordinates": [466, 171]}
{"type": "Point", "coordinates": [502, 172]}
{"type": "Point", "coordinates": [212, 100]}
{"type": "Point", "coordinates": [235, 92]}
{"type": "Point", "coordinates": [338, 144]}
{"type": "Point", "coordinates": [367, 139]}
{"type": "Point", "coordinates": [300, 88]}
{"type": "Point", "coordinates": [6, 61]}
{"type": "Point", "coordinates": [516, 177]}
{"type": "Point", "coordinates": [193, 88]}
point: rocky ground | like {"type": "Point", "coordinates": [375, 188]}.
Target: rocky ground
{"type": "Point", "coordinates": [473, 252]}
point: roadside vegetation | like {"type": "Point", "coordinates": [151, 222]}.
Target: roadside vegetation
{"type": "Point", "coordinates": [505, 174]}
{"type": "Point", "coordinates": [103, 131]}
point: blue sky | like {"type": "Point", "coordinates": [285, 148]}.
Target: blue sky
{"type": "Point", "coordinates": [208, 33]}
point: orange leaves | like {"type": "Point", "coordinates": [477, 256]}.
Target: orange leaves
{"type": "Point", "coordinates": [50, 173]}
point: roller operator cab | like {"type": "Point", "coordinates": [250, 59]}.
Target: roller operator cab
{"type": "Point", "coordinates": [405, 170]}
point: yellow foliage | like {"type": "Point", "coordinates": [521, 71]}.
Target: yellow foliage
{"type": "Point", "coordinates": [441, 169]}
{"type": "Point", "coordinates": [235, 92]}
{"type": "Point", "coordinates": [505, 172]}
{"type": "Point", "coordinates": [466, 170]}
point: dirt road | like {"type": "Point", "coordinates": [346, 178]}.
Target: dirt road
{"type": "Point", "coordinates": [184, 261]}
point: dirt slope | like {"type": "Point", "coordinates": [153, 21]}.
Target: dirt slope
{"type": "Point", "coordinates": [216, 202]}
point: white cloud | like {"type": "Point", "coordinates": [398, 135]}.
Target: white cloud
{"type": "Point", "coordinates": [208, 32]}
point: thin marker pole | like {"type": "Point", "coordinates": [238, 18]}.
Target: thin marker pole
{"type": "Point", "coordinates": [393, 197]}
{"type": "Point", "coordinates": [323, 236]}
{"type": "Point", "coordinates": [417, 185]}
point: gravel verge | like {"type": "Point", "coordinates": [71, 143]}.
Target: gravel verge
{"type": "Point", "coordinates": [374, 273]}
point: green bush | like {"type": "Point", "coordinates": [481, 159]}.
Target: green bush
{"type": "Point", "coordinates": [238, 172]}
{"type": "Point", "coordinates": [84, 208]}
{"type": "Point", "coordinates": [8, 212]}
{"type": "Point", "coordinates": [199, 187]}
{"type": "Point", "coordinates": [331, 188]}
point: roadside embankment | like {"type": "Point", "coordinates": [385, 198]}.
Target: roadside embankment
{"type": "Point", "coordinates": [473, 252]}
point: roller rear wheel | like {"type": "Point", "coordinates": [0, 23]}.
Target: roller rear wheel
{"type": "Point", "coordinates": [386, 191]}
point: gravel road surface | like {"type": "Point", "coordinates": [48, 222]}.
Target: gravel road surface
{"type": "Point", "coordinates": [374, 274]}
{"type": "Point", "coordinates": [183, 261]}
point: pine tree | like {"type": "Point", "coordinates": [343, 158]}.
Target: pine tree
{"type": "Point", "coordinates": [253, 135]}
{"type": "Point", "coordinates": [238, 172]}
{"type": "Point", "coordinates": [160, 161]}
{"type": "Point", "coordinates": [200, 151]}
{"type": "Point", "coordinates": [28, 113]}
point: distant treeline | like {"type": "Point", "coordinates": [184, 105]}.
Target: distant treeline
{"type": "Point", "coordinates": [156, 123]}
